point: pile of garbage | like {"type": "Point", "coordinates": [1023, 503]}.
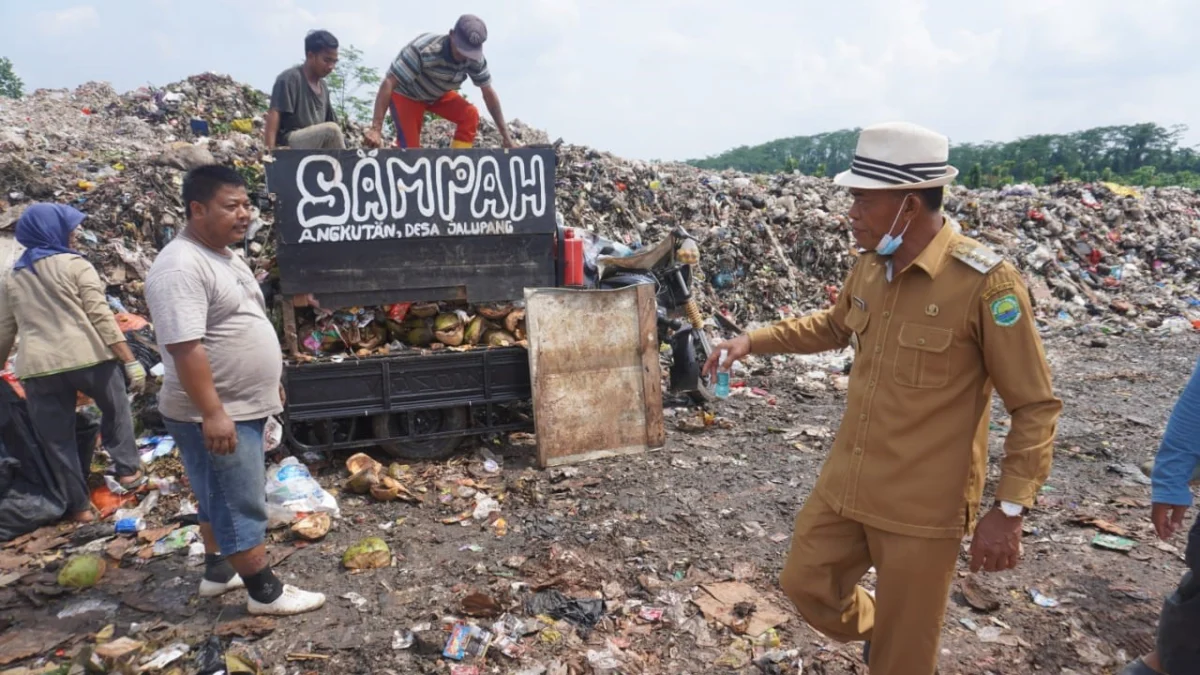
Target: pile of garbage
{"type": "Point", "coordinates": [775, 246]}
{"type": "Point", "coordinates": [1095, 255]}
{"type": "Point", "coordinates": [378, 331]}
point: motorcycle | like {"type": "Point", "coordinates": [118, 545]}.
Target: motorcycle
{"type": "Point", "coordinates": [670, 266]}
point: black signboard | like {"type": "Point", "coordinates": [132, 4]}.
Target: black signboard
{"type": "Point", "coordinates": [376, 226]}
{"type": "Point", "coordinates": [385, 195]}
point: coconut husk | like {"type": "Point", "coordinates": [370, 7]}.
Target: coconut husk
{"type": "Point", "coordinates": [368, 554]}
{"type": "Point", "coordinates": [494, 311]}
{"type": "Point", "coordinates": [360, 461]}
{"type": "Point", "coordinates": [396, 471]}
{"type": "Point", "coordinates": [371, 337]}
{"type": "Point", "coordinates": [424, 310]}
{"type": "Point", "coordinates": [447, 321]}
{"type": "Point", "coordinates": [82, 571]}
{"type": "Point", "coordinates": [451, 338]}
{"type": "Point", "coordinates": [499, 338]}
{"type": "Point", "coordinates": [421, 336]}
{"type": "Point", "coordinates": [514, 319]}
{"type": "Point", "coordinates": [385, 494]}
{"type": "Point", "coordinates": [474, 331]}
{"type": "Point", "coordinates": [313, 527]}
{"type": "Point", "coordinates": [361, 482]}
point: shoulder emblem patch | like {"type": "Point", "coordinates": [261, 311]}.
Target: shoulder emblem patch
{"type": "Point", "coordinates": [1006, 310]}
{"type": "Point", "coordinates": [977, 257]}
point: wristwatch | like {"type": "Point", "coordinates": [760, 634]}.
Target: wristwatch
{"type": "Point", "coordinates": [1012, 510]}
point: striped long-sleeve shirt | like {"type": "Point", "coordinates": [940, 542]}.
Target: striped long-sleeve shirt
{"type": "Point", "coordinates": [1179, 454]}
{"type": "Point", "coordinates": [426, 69]}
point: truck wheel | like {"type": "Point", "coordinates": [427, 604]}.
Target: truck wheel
{"type": "Point", "coordinates": [425, 422]}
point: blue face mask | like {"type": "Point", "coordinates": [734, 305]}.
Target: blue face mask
{"type": "Point", "coordinates": [889, 244]}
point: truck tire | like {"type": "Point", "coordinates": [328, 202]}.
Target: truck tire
{"type": "Point", "coordinates": [428, 421]}
{"type": "Point", "coordinates": [707, 393]}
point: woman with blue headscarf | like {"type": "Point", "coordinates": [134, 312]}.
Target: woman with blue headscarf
{"type": "Point", "coordinates": [70, 342]}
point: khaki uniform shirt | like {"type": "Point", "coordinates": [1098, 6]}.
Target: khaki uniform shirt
{"type": "Point", "coordinates": [930, 345]}
{"type": "Point", "coordinates": [62, 314]}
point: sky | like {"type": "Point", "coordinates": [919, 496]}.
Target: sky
{"type": "Point", "coordinates": [680, 79]}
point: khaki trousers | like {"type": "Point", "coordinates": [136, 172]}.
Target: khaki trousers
{"type": "Point", "coordinates": [323, 136]}
{"type": "Point", "coordinates": [830, 554]}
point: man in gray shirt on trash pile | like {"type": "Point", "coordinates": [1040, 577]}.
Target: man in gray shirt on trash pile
{"type": "Point", "coordinates": [301, 116]}
{"type": "Point", "coordinates": [222, 382]}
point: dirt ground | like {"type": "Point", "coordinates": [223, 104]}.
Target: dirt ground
{"type": "Point", "coordinates": [652, 531]}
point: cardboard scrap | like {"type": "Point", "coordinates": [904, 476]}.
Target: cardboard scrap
{"type": "Point", "coordinates": [119, 648]}
{"type": "Point", "coordinates": [249, 627]}
{"type": "Point", "coordinates": [153, 535]}
{"type": "Point", "coordinates": [22, 644]}
{"type": "Point", "coordinates": [118, 547]}
{"type": "Point", "coordinates": [718, 601]}
{"type": "Point", "coordinates": [1102, 525]}
{"type": "Point", "coordinates": [13, 561]}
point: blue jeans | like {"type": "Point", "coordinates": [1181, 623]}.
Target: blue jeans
{"type": "Point", "coordinates": [230, 489]}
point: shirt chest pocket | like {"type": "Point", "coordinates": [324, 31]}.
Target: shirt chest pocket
{"type": "Point", "coordinates": [856, 321]}
{"type": "Point", "coordinates": [923, 356]}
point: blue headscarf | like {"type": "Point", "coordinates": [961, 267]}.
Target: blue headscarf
{"type": "Point", "coordinates": [44, 230]}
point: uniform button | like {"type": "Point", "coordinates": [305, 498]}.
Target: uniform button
{"type": "Point", "coordinates": [887, 315]}
{"type": "Point", "coordinates": [872, 384]}
{"type": "Point", "coordinates": [858, 451]}
{"type": "Point", "coordinates": [863, 417]}
{"type": "Point", "coordinates": [878, 348]}
{"type": "Point", "coordinates": [920, 341]}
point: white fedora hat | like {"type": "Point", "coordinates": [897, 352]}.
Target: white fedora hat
{"type": "Point", "coordinates": [899, 156]}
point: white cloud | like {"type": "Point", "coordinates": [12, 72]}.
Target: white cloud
{"type": "Point", "coordinates": [69, 21]}
{"type": "Point", "coordinates": [687, 78]}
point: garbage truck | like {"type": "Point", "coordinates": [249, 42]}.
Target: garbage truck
{"type": "Point", "coordinates": [422, 235]}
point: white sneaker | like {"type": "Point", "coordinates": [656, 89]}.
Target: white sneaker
{"type": "Point", "coordinates": [212, 589]}
{"type": "Point", "coordinates": [293, 601]}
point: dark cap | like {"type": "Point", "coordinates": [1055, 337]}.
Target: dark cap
{"type": "Point", "coordinates": [468, 35]}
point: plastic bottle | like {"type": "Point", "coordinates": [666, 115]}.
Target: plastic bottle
{"type": "Point", "coordinates": [130, 525]}
{"type": "Point", "coordinates": [722, 389]}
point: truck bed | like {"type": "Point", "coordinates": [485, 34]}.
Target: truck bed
{"type": "Point", "coordinates": [408, 381]}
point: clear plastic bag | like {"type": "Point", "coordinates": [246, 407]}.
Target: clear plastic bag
{"type": "Point", "coordinates": [290, 487]}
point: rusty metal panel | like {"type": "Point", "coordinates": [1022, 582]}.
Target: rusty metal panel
{"type": "Point", "coordinates": [593, 362]}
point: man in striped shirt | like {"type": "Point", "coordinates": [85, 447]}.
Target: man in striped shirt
{"type": "Point", "coordinates": [425, 77]}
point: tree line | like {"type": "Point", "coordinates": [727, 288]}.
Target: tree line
{"type": "Point", "coordinates": [1137, 154]}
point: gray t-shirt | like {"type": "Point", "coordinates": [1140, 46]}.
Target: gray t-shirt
{"type": "Point", "coordinates": [299, 106]}
{"type": "Point", "coordinates": [195, 293]}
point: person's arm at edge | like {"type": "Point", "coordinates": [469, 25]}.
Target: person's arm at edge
{"type": "Point", "coordinates": [383, 99]}
{"type": "Point", "coordinates": [1179, 452]}
{"type": "Point", "coordinates": [271, 129]}
{"type": "Point", "coordinates": [8, 325]}
{"type": "Point", "coordinates": [810, 334]}
{"type": "Point", "coordinates": [492, 100]}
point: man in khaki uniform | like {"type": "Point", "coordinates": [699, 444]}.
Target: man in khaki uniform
{"type": "Point", "coordinates": [936, 321]}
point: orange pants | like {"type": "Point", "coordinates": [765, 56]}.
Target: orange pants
{"type": "Point", "coordinates": [409, 116]}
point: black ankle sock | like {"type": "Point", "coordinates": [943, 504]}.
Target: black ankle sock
{"type": "Point", "coordinates": [264, 586]}
{"type": "Point", "coordinates": [217, 568]}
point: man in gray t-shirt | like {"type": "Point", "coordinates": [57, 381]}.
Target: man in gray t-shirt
{"type": "Point", "coordinates": [222, 382]}
{"type": "Point", "coordinates": [301, 116]}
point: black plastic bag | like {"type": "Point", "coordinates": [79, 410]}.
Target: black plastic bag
{"type": "Point", "coordinates": [585, 613]}
{"type": "Point", "coordinates": [210, 657]}
{"type": "Point", "coordinates": [30, 496]}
